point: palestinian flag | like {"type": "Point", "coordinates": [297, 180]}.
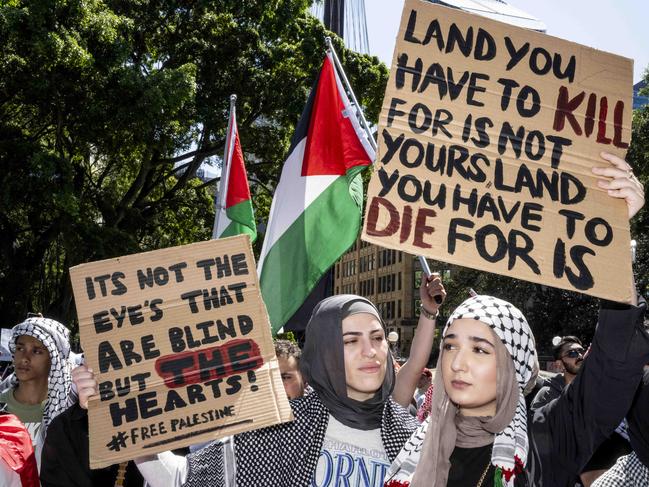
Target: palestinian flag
{"type": "Point", "coordinates": [235, 216]}
{"type": "Point", "coordinates": [316, 211]}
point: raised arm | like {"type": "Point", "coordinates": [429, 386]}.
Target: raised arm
{"type": "Point", "coordinates": [408, 375]}
{"type": "Point", "coordinates": [593, 405]}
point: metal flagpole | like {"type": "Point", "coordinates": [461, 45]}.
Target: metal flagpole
{"type": "Point", "coordinates": [343, 76]}
{"type": "Point", "coordinates": [366, 126]}
{"type": "Point", "coordinates": [225, 167]}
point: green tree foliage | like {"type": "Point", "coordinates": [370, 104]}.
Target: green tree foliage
{"type": "Point", "coordinates": [99, 100]}
{"type": "Point", "coordinates": [638, 156]}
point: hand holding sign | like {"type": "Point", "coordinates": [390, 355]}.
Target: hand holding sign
{"type": "Point", "coordinates": [178, 348]}
{"type": "Point", "coordinates": [432, 292]}
{"type": "Point", "coordinates": [624, 183]}
{"type": "Point", "coordinates": [487, 137]}
{"type": "Point", "coordinates": [84, 380]}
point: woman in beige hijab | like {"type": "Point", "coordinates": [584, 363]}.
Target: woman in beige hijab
{"type": "Point", "coordinates": [478, 432]}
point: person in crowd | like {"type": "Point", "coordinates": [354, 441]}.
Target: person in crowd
{"type": "Point", "coordinates": [424, 410]}
{"type": "Point", "coordinates": [288, 356]}
{"type": "Point", "coordinates": [66, 454]}
{"type": "Point", "coordinates": [541, 382]}
{"type": "Point", "coordinates": [65, 458]}
{"type": "Point", "coordinates": [40, 387]}
{"type": "Point", "coordinates": [479, 432]}
{"type": "Point", "coordinates": [18, 467]}
{"type": "Point", "coordinates": [632, 470]}
{"type": "Point", "coordinates": [349, 417]}
{"type": "Point", "coordinates": [568, 353]}
{"type": "Point", "coordinates": [424, 383]}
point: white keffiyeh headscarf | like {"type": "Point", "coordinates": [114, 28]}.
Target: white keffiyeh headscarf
{"type": "Point", "coordinates": [415, 466]}
{"type": "Point", "coordinates": [55, 338]}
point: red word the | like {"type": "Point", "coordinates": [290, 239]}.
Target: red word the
{"type": "Point", "coordinates": [192, 367]}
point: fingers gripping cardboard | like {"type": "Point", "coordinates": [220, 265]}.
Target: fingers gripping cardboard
{"type": "Point", "coordinates": [487, 137]}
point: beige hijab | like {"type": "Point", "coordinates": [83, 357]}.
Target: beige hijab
{"type": "Point", "coordinates": [425, 459]}
{"type": "Point", "coordinates": [448, 428]}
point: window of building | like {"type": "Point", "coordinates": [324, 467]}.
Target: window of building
{"type": "Point", "coordinates": [399, 309]}
{"type": "Point", "coordinates": [389, 310]}
{"type": "Point", "coordinates": [417, 305]}
{"type": "Point", "coordinates": [417, 276]}
{"type": "Point", "coordinates": [399, 288]}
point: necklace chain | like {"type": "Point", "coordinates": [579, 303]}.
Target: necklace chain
{"type": "Point", "coordinates": [484, 474]}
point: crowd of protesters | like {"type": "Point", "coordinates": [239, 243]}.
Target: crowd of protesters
{"type": "Point", "coordinates": [359, 421]}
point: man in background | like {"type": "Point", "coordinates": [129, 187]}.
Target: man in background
{"type": "Point", "coordinates": [568, 355]}
{"type": "Point", "coordinates": [288, 356]}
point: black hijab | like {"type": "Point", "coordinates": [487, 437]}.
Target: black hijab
{"type": "Point", "coordinates": [323, 363]}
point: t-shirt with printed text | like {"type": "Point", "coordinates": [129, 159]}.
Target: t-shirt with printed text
{"type": "Point", "coordinates": [351, 457]}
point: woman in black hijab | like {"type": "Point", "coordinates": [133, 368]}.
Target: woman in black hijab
{"type": "Point", "coordinates": [347, 429]}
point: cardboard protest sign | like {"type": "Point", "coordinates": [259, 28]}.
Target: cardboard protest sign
{"type": "Point", "coordinates": [487, 137]}
{"type": "Point", "coordinates": [180, 341]}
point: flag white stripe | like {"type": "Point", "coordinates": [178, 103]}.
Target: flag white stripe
{"type": "Point", "coordinates": [293, 195]}
{"type": "Point", "coordinates": [295, 192]}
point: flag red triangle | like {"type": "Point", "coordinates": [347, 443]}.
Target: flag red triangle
{"type": "Point", "coordinates": [332, 144]}
{"type": "Point", "coordinates": [238, 189]}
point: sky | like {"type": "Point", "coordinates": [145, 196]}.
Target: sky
{"type": "Point", "coordinates": [617, 26]}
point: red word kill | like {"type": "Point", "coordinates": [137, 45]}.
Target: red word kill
{"type": "Point", "coordinates": [183, 369]}
{"type": "Point", "coordinates": [596, 114]}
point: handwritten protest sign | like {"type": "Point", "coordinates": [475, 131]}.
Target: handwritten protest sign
{"type": "Point", "coordinates": [487, 137]}
{"type": "Point", "coordinates": [180, 341]}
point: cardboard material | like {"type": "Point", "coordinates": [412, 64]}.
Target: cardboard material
{"type": "Point", "coordinates": [180, 341]}
{"type": "Point", "coordinates": [487, 137]}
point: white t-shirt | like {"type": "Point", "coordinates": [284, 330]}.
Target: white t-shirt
{"type": "Point", "coordinates": [351, 457]}
{"type": "Point", "coordinates": [32, 417]}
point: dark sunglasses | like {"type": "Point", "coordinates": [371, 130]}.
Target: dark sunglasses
{"type": "Point", "coordinates": [574, 353]}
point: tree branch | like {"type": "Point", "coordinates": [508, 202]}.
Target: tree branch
{"type": "Point", "coordinates": [205, 152]}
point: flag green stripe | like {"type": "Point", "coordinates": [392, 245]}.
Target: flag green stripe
{"type": "Point", "coordinates": [310, 246]}
{"type": "Point", "coordinates": [242, 220]}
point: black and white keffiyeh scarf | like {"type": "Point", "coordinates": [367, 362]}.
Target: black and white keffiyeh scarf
{"type": "Point", "coordinates": [510, 447]}
{"type": "Point", "coordinates": [286, 455]}
{"type": "Point", "coordinates": [628, 471]}
{"type": "Point", "coordinates": [55, 337]}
